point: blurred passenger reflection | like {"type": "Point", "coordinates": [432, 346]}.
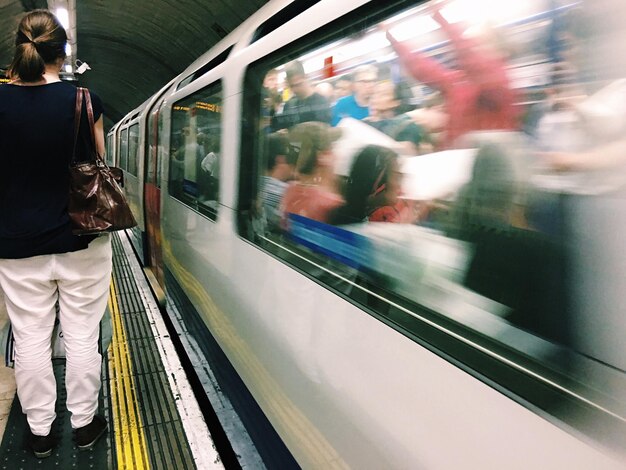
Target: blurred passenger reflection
{"type": "Point", "coordinates": [478, 95]}
{"type": "Point", "coordinates": [279, 170]}
{"type": "Point", "coordinates": [512, 265]}
{"type": "Point", "coordinates": [385, 117]}
{"type": "Point", "coordinates": [326, 90]}
{"type": "Point", "coordinates": [208, 176]}
{"type": "Point", "coordinates": [305, 105]}
{"type": "Point", "coordinates": [372, 190]}
{"type": "Point", "coordinates": [272, 99]}
{"type": "Point", "coordinates": [343, 86]}
{"type": "Point", "coordinates": [584, 163]}
{"type": "Point", "coordinates": [357, 104]}
{"type": "Point", "coordinates": [314, 193]}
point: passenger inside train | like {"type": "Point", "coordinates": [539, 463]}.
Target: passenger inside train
{"type": "Point", "coordinates": [343, 87]}
{"type": "Point", "coordinates": [478, 92]}
{"type": "Point", "coordinates": [314, 192]}
{"type": "Point", "coordinates": [272, 97]}
{"type": "Point", "coordinates": [279, 172]}
{"type": "Point", "coordinates": [372, 190]}
{"type": "Point", "coordinates": [384, 115]}
{"type": "Point", "coordinates": [305, 104]}
{"type": "Point", "coordinates": [511, 263]}
{"type": "Point", "coordinates": [357, 105]}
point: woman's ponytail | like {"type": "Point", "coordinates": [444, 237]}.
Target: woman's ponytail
{"type": "Point", "coordinates": [40, 40]}
{"type": "Point", "coordinates": [27, 64]}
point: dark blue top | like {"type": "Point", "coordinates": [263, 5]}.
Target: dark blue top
{"type": "Point", "coordinates": [299, 110]}
{"type": "Point", "coordinates": [36, 136]}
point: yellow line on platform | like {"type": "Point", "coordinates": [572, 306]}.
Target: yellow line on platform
{"type": "Point", "coordinates": [130, 440]}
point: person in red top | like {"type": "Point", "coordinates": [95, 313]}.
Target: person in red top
{"type": "Point", "coordinates": [478, 96]}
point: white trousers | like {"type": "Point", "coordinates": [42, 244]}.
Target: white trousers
{"type": "Point", "coordinates": [80, 282]}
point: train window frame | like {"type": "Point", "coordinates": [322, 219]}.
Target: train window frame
{"type": "Point", "coordinates": [152, 133]}
{"type": "Point", "coordinates": [154, 136]}
{"type": "Point", "coordinates": [186, 197]}
{"type": "Point", "coordinates": [161, 151]}
{"type": "Point", "coordinates": [535, 382]}
{"type": "Point", "coordinates": [133, 157]}
{"type": "Point", "coordinates": [151, 149]}
{"type": "Point", "coordinates": [123, 149]}
{"type": "Point", "coordinates": [110, 151]}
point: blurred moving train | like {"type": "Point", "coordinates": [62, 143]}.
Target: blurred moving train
{"type": "Point", "coordinates": [485, 329]}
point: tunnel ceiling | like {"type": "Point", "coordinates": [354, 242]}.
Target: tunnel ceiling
{"type": "Point", "coordinates": [134, 47]}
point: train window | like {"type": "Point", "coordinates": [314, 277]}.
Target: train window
{"type": "Point", "coordinates": [195, 150]}
{"type": "Point", "coordinates": [133, 149]}
{"type": "Point", "coordinates": [420, 168]}
{"type": "Point", "coordinates": [123, 150]}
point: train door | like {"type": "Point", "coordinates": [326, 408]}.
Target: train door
{"type": "Point", "coordinates": [110, 153]}
{"type": "Point", "coordinates": [152, 192]}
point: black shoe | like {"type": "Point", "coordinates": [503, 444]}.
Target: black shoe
{"type": "Point", "coordinates": [41, 445]}
{"type": "Point", "coordinates": [87, 436]}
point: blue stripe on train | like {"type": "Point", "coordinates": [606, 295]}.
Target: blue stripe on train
{"type": "Point", "coordinates": [337, 243]}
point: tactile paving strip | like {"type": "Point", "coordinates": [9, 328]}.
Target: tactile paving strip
{"type": "Point", "coordinates": [164, 434]}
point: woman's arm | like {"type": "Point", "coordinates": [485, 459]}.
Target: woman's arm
{"type": "Point", "coordinates": [423, 68]}
{"type": "Point", "coordinates": [99, 129]}
{"type": "Point", "coordinates": [478, 60]}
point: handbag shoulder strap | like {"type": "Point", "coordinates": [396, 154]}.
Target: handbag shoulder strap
{"type": "Point", "coordinates": [83, 94]}
{"type": "Point", "coordinates": [92, 124]}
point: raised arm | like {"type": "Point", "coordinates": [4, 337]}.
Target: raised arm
{"type": "Point", "coordinates": [423, 68]}
{"type": "Point", "coordinates": [474, 59]}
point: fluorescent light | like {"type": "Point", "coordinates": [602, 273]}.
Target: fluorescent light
{"type": "Point", "coordinates": [64, 17]}
{"type": "Point", "coordinates": [370, 43]}
{"type": "Point", "coordinates": [497, 12]}
{"type": "Point", "coordinates": [68, 49]}
{"type": "Point", "coordinates": [312, 65]}
{"type": "Point", "coordinates": [413, 27]}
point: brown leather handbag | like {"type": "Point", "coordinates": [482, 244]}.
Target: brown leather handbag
{"type": "Point", "coordinates": [97, 203]}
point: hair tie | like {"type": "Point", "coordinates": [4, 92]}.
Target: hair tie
{"type": "Point", "coordinates": [28, 39]}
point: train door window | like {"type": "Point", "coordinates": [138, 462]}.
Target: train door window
{"type": "Point", "coordinates": [133, 149]}
{"type": "Point", "coordinates": [123, 155]}
{"type": "Point", "coordinates": [195, 150]}
{"type": "Point", "coordinates": [390, 162]}
{"type": "Point", "coordinates": [161, 147]}
{"type": "Point", "coordinates": [151, 164]}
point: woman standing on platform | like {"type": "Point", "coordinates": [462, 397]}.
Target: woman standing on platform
{"type": "Point", "coordinates": [41, 261]}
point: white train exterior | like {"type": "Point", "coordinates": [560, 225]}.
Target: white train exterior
{"type": "Point", "coordinates": [343, 384]}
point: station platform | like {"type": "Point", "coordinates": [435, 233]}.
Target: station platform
{"type": "Point", "coordinates": [154, 418]}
